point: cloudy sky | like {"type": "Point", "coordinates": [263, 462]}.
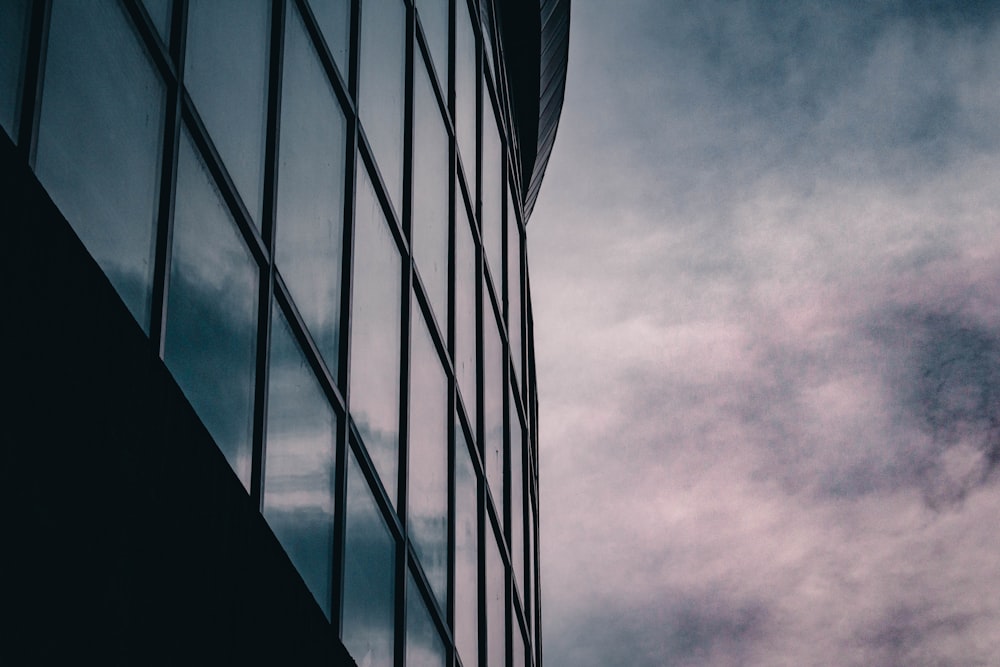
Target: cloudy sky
{"type": "Point", "coordinates": [765, 267]}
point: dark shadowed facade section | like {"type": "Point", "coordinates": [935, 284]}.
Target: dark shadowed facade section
{"type": "Point", "coordinates": [270, 370]}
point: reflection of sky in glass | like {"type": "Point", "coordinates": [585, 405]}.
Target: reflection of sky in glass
{"type": "Point", "coordinates": [159, 11]}
{"type": "Point", "coordinates": [492, 193]}
{"type": "Point", "coordinates": [487, 25]}
{"type": "Point", "coordinates": [514, 288]}
{"type": "Point", "coordinates": [427, 504]}
{"type": "Point", "coordinates": [466, 286]}
{"type": "Point", "coordinates": [496, 603]}
{"type": "Point", "coordinates": [517, 641]}
{"type": "Point", "coordinates": [309, 229]}
{"type": "Point", "coordinates": [334, 19]}
{"type": "Point", "coordinates": [529, 592]}
{"type": "Point", "coordinates": [99, 141]}
{"type": "Point", "coordinates": [516, 493]}
{"type": "Point", "coordinates": [300, 459]}
{"type": "Point", "coordinates": [465, 93]}
{"type": "Point", "coordinates": [430, 195]}
{"type": "Point", "coordinates": [375, 331]}
{"type": "Point", "coordinates": [13, 27]}
{"type": "Point", "coordinates": [424, 647]}
{"type": "Point", "coordinates": [380, 88]}
{"type": "Point", "coordinates": [225, 71]}
{"type": "Point", "coordinates": [368, 576]}
{"type": "Point", "coordinates": [492, 403]}
{"type": "Point", "coordinates": [434, 19]}
{"type": "Point", "coordinates": [466, 553]}
{"type": "Point", "coordinates": [210, 342]}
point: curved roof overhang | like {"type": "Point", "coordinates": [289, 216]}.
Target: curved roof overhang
{"type": "Point", "coordinates": [536, 42]}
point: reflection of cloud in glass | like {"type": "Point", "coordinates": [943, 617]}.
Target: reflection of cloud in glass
{"type": "Point", "coordinates": [368, 576]}
{"type": "Point", "coordinates": [516, 495]}
{"type": "Point", "coordinates": [493, 444]}
{"type": "Point", "coordinates": [299, 466]}
{"type": "Point", "coordinates": [492, 194]}
{"type": "Point", "coordinates": [496, 603]}
{"type": "Point", "coordinates": [210, 341]}
{"type": "Point", "coordinates": [466, 286]}
{"type": "Point", "coordinates": [465, 94]}
{"type": "Point", "coordinates": [375, 331]}
{"type": "Point", "coordinates": [424, 647]}
{"type": "Point", "coordinates": [309, 229]}
{"type": "Point", "coordinates": [466, 552]}
{"type": "Point", "coordinates": [99, 142]}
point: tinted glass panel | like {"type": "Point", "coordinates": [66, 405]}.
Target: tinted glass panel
{"type": "Point", "coordinates": [493, 390]}
{"type": "Point", "coordinates": [514, 289]}
{"type": "Point", "coordinates": [211, 336]}
{"type": "Point", "coordinates": [427, 510]}
{"type": "Point", "coordinates": [424, 647]}
{"type": "Point", "coordinates": [517, 657]}
{"type": "Point", "coordinates": [516, 492]}
{"type": "Point", "coordinates": [226, 75]}
{"type": "Point", "coordinates": [309, 230]}
{"type": "Point", "coordinates": [13, 29]}
{"type": "Point", "coordinates": [380, 89]}
{"type": "Point", "coordinates": [430, 195]}
{"type": "Point", "coordinates": [492, 194]}
{"type": "Point", "coordinates": [434, 19]}
{"type": "Point", "coordinates": [300, 460]}
{"type": "Point", "coordinates": [465, 92]}
{"type": "Point", "coordinates": [368, 575]}
{"type": "Point", "coordinates": [496, 603]}
{"type": "Point", "coordinates": [334, 19]}
{"type": "Point", "coordinates": [529, 582]}
{"type": "Point", "coordinates": [99, 141]}
{"type": "Point", "coordinates": [159, 11]}
{"type": "Point", "coordinates": [466, 287]}
{"type": "Point", "coordinates": [375, 334]}
{"type": "Point", "coordinates": [466, 629]}
{"type": "Point", "coordinates": [486, 20]}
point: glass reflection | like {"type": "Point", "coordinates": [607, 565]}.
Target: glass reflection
{"type": "Point", "coordinates": [375, 333]}
{"type": "Point", "coordinates": [529, 581]}
{"type": "Point", "coordinates": [309, 232]}
{"type": "Point", "coordinates": [430, 195]}
{"type": "Point", "coordinates": [99, 141]}
{"type": "Point", "coordinates": [226, 74]}
{"type": "Point", "coordinates": [517, 658]}
{"type": "Point", "coordinates": [496, 603]}
{"type": "Point", "coordinates": [211, 336]}
{"type": "Point", "coordinates": [380, 88]}
{"type": "Point", "coordinates": [486, 21]}
{"type": "Point", "coordinates": [13, 30]}
{"type": "Point", "coordinates": [465, 93]}
{"type": "Point", "coordinates": [466, 630]}
{"type": "Point", "coordinates": [424, 647]}
{"type": "Point", "coordinates": [427, 506]}
{"type": "Point", "coordinates": [334, 19]}
{"type": "Point", "coordinates": [516, 490]}
{"type": "Point", "coordinates": [514, 289]}
{"type": "Point", "coordinates": [434, 20]}
{"type": "Point", "coordinates": [466, 287]}
{"type": "Point", "coordinates": [492, 446]}
{"type": "Point", "coordinates": [368, 576]}
{"type": "Point", "coordinates": [159, 12]}
{"type": "Point", "coordinates": [300, 458]}
{"type": "Point", "coordinates": [492, 227]}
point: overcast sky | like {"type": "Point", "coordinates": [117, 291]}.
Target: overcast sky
{"type": "Point", "coordinates": [765, 268]}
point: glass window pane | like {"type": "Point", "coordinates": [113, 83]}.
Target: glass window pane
{"type": "Point", "coordinates": [496, 603]}
{"type": "Point", "coordinates": [514, 289]}
{"type": "Point", "coordinates": [517, 659]}
{"type": "Point", "coordinates": [465, 92]}
{"type": "Point", "coordinates": [424, 647]}
{"type": "Point", "coordinates": [13, 31]}
{"type": "Point", "coordinates": [486, 21]}
{"type": "Point", "coordinates": [334, 19]}
{"type": "Point", "coordinates": [226, 74]}
{"type": "Point", "coordinates": [516, 491]}
{"type": "Point", "coordinates": [368, 576]}
{"type": "Point", "coordinates": [493, 415]}
{"type": "Point", "coordinates": [466, 553]}
{"type": "Point", "coordinates": [466, 287]}
{"type": "Point", "coordinates": [430, 195]}
{"type": "Point", "coordinates": [529, 591]}
{"type": "Point", "coordinates": [309, 229]}
{"type": "Point", "coordinates": [380, 89]}
{"type": "Point", "coordinates": [427, 509]}
{"type": "Point", "coordinates": [210, 344]}
{"type": "Point", "coordinates": [99, 141]}
{"type": "Point", "coordinates": [492, 194]}
{"type": "Point", "coordinates": [159, 11]}
{"type": "Point", "coordinates": [434, 20]}
{"type": "Point", "coordinates": [375, 332]}
{"type": "Point", "coordinates": [300, 460]}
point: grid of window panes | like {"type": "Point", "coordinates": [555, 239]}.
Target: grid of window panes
{"type": "Point", "coordinates": [308, 206]}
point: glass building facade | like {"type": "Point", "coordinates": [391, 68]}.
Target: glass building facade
{"type": "Point", "coordinates": [315, 213]}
